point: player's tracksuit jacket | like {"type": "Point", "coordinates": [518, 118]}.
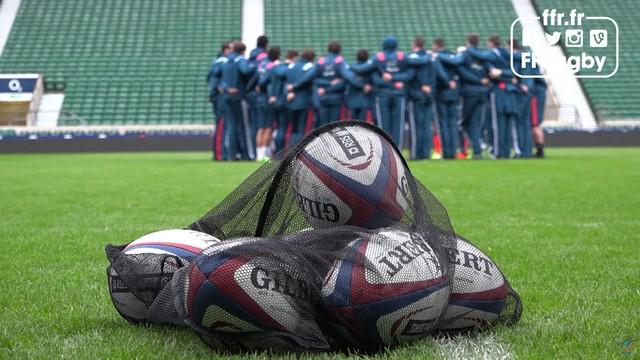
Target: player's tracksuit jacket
{"type": "Point", "coordinates": [420, 106]}
{"type": "Point", "coordinates": [331, 67]}
{"type": "Point", "coordinates": [359, 103]}
{"type": "Point", "coordinates": [447, 101]}
{"type": "Point", "coordinates": [390, 100]}
{"type": "Point", "coordinates": [502, 99]}
{"type": "Point", "coordinates": [217, 102]}
{"type": "Point", "coordinates": [300, 75]}
{"type": "Point", "coordinates": [238, 139]}
{"type": "Point", "coordinates": [474, 99]}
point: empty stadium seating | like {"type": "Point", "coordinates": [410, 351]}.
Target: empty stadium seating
{"type": "Point", "coordinates": [144, 61]}
{"type": "Point", "coordinates": [124, 62]}
{"type": "Point", "coordinates": [616, 97]}
{"type": "Point", "coordinates": [364, 23]}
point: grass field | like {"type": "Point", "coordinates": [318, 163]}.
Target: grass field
{"type": "Point", "coordinates": [565, 231]}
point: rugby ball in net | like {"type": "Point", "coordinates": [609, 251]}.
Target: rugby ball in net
{"type": "Point", "coordinates": [387, 289]}
{"type": "Point", "coordinates": [185, 244]}
{"type": "Point", "coordinates": [350, 175]}
{"type": "Point", "coordinates": [252, 299]}
{"type": "Point", "coordinates": [478, 289]}
{"type": "Point", "coordinates": [180, 246]}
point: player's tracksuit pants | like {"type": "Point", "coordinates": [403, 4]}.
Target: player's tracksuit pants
{"type": "Point", "coordinates": [328, 114]}
{"type": "Point", "coordinates": [448, 121]}
{"type": "Point", "coordinates": [237, 131]}
{"type": "Point", "coordinates": [490, 125]}
{"type": "Point", "coordinates": [505, 117]}
{"type": "Point", "coordinates": [361, 113]}
{"type": "Point", "coordinates": [298, 119]}
{"type": "Point", "coordinates": [279, 117]}
{"type": "Point", "coordinates": [254, 117]}
{"type": "Point", "coordinates": [473, 111]}
{"type": "Point", "coordinates": [390, 112]}
{"type": "Point", "coordinates": [420, 123]}
{"type": "Point", "coordinates": [218, 133]}
{"type": "Point", "coordinates": [524, 140]}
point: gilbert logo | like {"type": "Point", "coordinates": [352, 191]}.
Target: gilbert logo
{"type": "Point", "coordinates": [589, 42]}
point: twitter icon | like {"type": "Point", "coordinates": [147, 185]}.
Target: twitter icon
{"type": "Point", "coordinates": [552, 39]}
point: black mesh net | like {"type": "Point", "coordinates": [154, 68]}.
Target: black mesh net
{"type": "Point", "coordinates": [334, 245]}
{"type": "Point", "coordinates": [138, 285]}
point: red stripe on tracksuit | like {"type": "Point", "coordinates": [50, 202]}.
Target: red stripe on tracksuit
{"type": "Point", "coordinates": [287, 135]}
{"type": "Point", "coordinates": [369, 116]}
{"type": "Point", "coordinates": [310, 120]}
{"type": "Point", "coordinates": [218, 139]}
{"type": "Point", "coordinates": [344, 113]}
{"type": "Point", "coordinates": [534, 111]}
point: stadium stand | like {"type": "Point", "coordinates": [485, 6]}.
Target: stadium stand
{"type": "Point", "coordinates": [616, 97]}
{"type": "Point", "coordinates": [363, 23]}
{"type": "Point", "coordinates": [124, 62]}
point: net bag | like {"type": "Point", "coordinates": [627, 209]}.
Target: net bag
{"type": "Point", "coordinates": [332, 245]}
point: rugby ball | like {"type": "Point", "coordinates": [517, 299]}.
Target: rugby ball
{"type": "Point", "coordinates": [478, 289]}
{"type": "Point", "coordinates": [181, 246]}
{"type": "Point", "coordinates": [387, 288]}
{"type": "Point", "coordinates": [350, 176]}
{"type": "Point", "coordinates": [251, 297]}
{"type": "Point", "coordinates": [186, 244]}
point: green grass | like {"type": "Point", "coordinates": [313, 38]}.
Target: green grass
{"type": "Point", "coordinates": [565, 231]}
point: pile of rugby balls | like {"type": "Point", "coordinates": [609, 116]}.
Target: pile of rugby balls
{"type": "Point", "coordinates": [384, 288]}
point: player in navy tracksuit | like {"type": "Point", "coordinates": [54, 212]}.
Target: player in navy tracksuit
{"type": "Point", "coordinates": [235, 74]}
{"type": "Point", "coordinates": [502, 97]}
{"type": "Point", "coordinates": [256, 112]}
{"type": "Point", "coordinates": [274, 86]}
{"type": "Point", "coordinates": [300, 75]}
{"type": "Point", "coordinates": [447, 99]}
{"type": "Point", "coordinates": [420, 107]}
{"type": "Point", "coordinates": [329, 84]}
{"type": "Point", "coordinates": [262, 120]}
{"type": "Point", "coordinates": [538, 100]}
{"type": "Point", "coordinates": [359, 90]}
{"type": "Point", "coordinates": [390, 84]}
{"type": "Point", "coordinates": [474, 89]}
{"type": "Point", "coordinates": [261, 49]}
{"type": "Point", "coordinates": [523, 142]}
{"type": "Point", "coordinates": [213, 82]}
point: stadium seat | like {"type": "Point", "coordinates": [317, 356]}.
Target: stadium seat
{"type": "Point", "coordinates": [140, 59]}
{"type": "Point", "coordinates": [364, 23]}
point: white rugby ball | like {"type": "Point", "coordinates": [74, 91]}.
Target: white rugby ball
{"type": "Point", "coordinates": [184, 244]}
{"type": "Point", "coordinates": [233, 290]}
{"type": "Point", "coordinates": [387, 289]}
{"type": "Point", "coordinates": [350, 175]}
{"type": "Point", "coordinates": [478, 289]}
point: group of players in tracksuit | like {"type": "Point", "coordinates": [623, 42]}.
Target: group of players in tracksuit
{"type": "Point", "coordinates": [449, 101]}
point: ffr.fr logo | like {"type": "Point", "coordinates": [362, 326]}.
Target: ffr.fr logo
{"type": "Point", "coordinates": [595, 56]}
